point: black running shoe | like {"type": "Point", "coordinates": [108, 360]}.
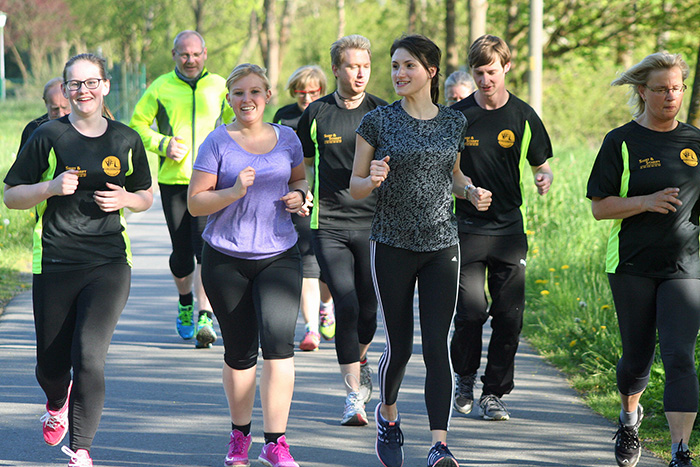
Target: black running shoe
{"type": "Point", "coordinates": [681, 459]}
{"type": "Point", "coordinates": [389, 440]}
{"type": "Point", "coordinates": [627, 447]}
{"type": "Point", "coordinates": [440, 456]}
{"type": "Point", "coordinates": [464, 393]}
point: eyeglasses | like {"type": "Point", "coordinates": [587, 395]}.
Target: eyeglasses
{"type": "Point", "coordinates": [664, 91]}
{"type": "Point", "coordinates": [90, 83]}
{"type": "Point", "coordinates": [193, 56]}
{"type": "Point", "coordinates": [313, 92]}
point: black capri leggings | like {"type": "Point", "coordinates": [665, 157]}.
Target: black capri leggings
{"type": "Point", "coordinates": [672, 306]}
{"type": "Point", "coordinates": [185, 230]}
{"type": "Point", "coordinates": [344, 259]}
{"type": "Point", "coordinates": [256, 303]}
{"type": "Point", "coordinates": [75, 314]}
{"type": "Point", "coordinates": [395, 272]}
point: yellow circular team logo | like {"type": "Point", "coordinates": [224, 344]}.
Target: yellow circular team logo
{"type": "Point", "coordinates": [506, 138]}
{"type": "Point", "coordinates": [689, 157]}
{"type": "Point", "coordinates": [111, 166]}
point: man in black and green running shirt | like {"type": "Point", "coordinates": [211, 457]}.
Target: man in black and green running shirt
{"type": "Point", "coordinates": [504, 136]}
{"type": "Point", "coordinates": [186, 104]}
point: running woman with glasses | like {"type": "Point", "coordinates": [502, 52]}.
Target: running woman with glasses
{"type": "Point", "coordinates": [646, 179]}
{"type": "Point", "coordinates": [78, 173]}
{"type": "Point", "coordinates": [307, 84]}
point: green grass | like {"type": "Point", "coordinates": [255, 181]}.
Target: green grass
{"type": "Point", "coordinates": [570, 316]}
{"type": "Point", "coordinates": [15, 226]}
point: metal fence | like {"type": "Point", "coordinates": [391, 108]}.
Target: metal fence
{"type": "Point", "coordinates": [127, 85]}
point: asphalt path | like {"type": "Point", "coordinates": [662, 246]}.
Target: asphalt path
{"type": "Point", "coordinates": [165, 405]}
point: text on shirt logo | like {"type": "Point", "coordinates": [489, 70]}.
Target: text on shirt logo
{"type": "Point", "coordinates": [332, 139]}
{"type": "Point", "coordinates": [470, 141]}
{"type": "Point", "coordinates": [81, 172]}
{"type": "Point", "coordinates": [649, 163]}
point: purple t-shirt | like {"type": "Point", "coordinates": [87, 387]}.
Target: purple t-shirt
{"type": "Point", "coordinates": [257, 225]}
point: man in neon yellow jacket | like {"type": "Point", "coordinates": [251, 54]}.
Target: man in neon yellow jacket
{"type": "Point", "coordinates": [186, 105]}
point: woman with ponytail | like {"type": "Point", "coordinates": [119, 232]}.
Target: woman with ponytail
{"type": "Point", "coordinates": [408, 152]}
{"type": "Point", "coordinates": [79, 172]}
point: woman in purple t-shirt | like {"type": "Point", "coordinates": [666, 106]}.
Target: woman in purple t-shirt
{"type": "Point", "coordinates": [249, 178]}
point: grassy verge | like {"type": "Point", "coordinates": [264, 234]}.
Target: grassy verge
{"type": "Point", "coordinates": [15, 226]}
{"type": "Point", "coordinates": [570, 316]}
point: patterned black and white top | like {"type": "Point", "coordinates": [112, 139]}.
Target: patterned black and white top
{"type": "Point", "coordinates": [414, 204]}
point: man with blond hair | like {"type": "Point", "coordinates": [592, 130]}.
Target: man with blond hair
{"type": "Point", "coordinates": [340, 224]}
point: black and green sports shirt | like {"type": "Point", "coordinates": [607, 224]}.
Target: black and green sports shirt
{"type": "Point", "coordinates": [72, 232]}
{"type": "Point", "coordinates": [635, 161]}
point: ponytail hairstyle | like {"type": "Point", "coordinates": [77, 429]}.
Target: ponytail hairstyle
{"type": "Point", "coordinates": [427, 53]}
{"type": "Point", "coordinates": [100, 63]}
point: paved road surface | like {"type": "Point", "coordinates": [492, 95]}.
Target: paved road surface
{"type": "Point", "coordinates": [165, 404]}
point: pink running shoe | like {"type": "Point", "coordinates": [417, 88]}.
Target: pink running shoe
{"type": "Point", "coordinates": [310, 342]}
{"type": "Point", "coordinates": [277, 454]}
{"type": "Point", "coordinates": [238, 449]}
{"type": "Point", "coordinates": [55, 423]}
{"type": "Point", "coordinates": [78, 459]}
{"type": "Point", "coordinates": [327, 321]}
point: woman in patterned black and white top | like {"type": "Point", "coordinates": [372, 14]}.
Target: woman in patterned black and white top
{"type": "Point", "coordinates": [408, 152]}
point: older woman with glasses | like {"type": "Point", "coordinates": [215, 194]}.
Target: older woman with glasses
{"type": "Point", "coordinates": [307, 84]}
{"type": "Point", "coordinates": [647, 180]}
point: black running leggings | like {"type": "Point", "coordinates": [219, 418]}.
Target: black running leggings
{"type": "Point", "coordinates": [395, 272]}
{"type": "Point", "coordinates": [344, 259]}
{"type": "Point", "coordinates": [256, 303]}
{"type": "Point", "coordinates": [75, 314]}
{"type": "Point", "coordinates": [671, 306]}
{"type": "Point", "coordinates": [185, 230]}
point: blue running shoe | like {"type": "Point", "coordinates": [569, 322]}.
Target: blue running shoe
{"type": "Point", "coordinates": [440, 456]}
{"type": "Point", "coordinates": [205, 331]}
{"type": "Point", "coordinates": [185, 324]}
{"type": "Point", "coordinates": [389, 440]}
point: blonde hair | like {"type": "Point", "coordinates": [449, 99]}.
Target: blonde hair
{"type": "Point", "coordinates": [638, 75]}
{"type": "Point", "coordinates": [245, 69]}
{"type": "Point", "coordinates": [354, 41]}
{"type": "Point", "coordinates": [302, 76]}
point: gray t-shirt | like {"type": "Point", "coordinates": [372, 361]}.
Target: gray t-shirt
{"type": "Point", "coordinates": [414, 204]}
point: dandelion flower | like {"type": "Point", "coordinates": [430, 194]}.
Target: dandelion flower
{"type": "Point", "coordinates": [603, 328]}
{"type": "Point", "coordinates": [530, 232]}
{"type": "Point", "coordinates": [573, 343]}
{"type": "Point", "coordinates": [544, 292]}
{"type": "Point", "coordinates": [582, 304]}
{"type": "Point", "coordinates": [552, 269]}
{"type": "Point", "coordinates": [6, 222]}
{"type": "Point", "coordinates": [541, 281]}
{"type": "Point", "coordinates": [605, 307]}
{"type": "Point", "coordinates": [566, 266]}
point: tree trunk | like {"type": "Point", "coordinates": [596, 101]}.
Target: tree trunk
{"type": "Point", "coordinates": [198, 10]}
{"type": "Point", "coordinates": [20, 63]}
{"type": "Point", "coordinates": [412, 17]}
{"type": "Point", "coordinates": [273, 47]}
{"type": "Point", "coordinates": [451, 51]}
{"type": "Point", "coordinates": [477, 19]}
{"type": "Point", "coordinates": [253, 38]}
{"type": "Point", "coordinates": [694, 109]}
{"type": "Point", "coordinates": [340, 6]}
{"type": "Point", "coordinates": [288, 16]}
